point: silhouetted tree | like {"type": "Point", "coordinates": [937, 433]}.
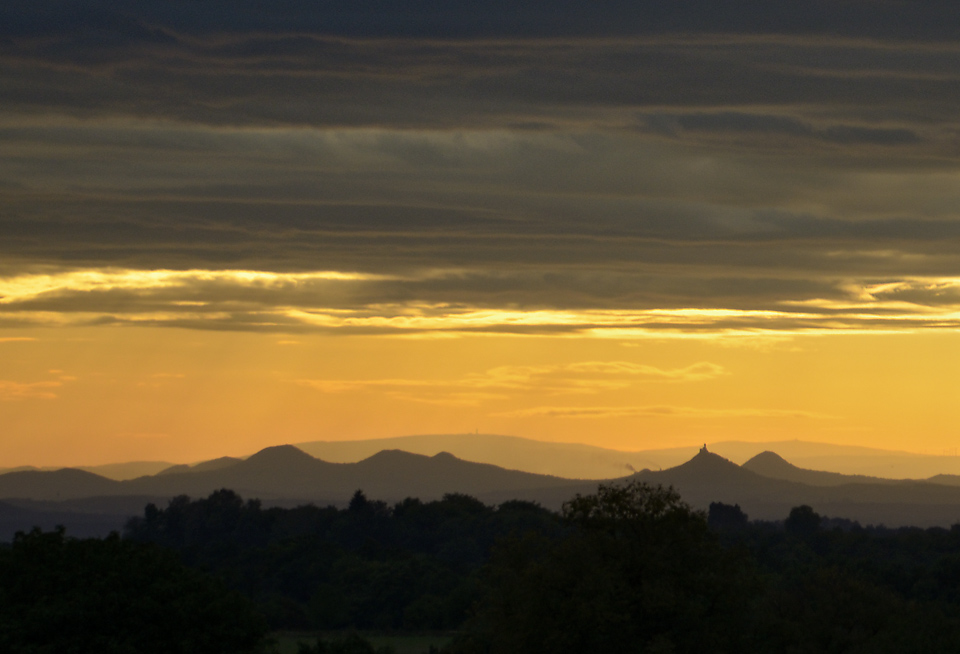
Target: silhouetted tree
{"type": "Point", "coordinates": [359, 502]}
{"type": "Point", "coordinates": [640, 572]}
{"type": "Point", "coordinates": [803, 521]}
{"type": "Point", "coordinates": [352, 643]}
{"type": "Point", "coordinates": [724, 517]}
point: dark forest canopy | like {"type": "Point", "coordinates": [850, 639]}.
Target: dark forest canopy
{"type": "Point", "coordinates": [631, 568]}
{"type": "Point", "coordinates": [59, 594]}
{"type": "Point", "coordinates": [413, 565]}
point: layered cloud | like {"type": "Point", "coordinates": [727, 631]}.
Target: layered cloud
{"type": "Point", "coordinates": [582, 378]}
{"type": "Point", "coordinates": [657, 412]}
{"type": "Point", "coordinates": [11, 391]}
{"type": "Point", "coordinates": [692, 167]}
{"type": "Point", "coordinates": [426, 303]}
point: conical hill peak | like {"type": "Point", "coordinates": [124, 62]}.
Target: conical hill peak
{"type": "Point", "coordinates": [279, 455]}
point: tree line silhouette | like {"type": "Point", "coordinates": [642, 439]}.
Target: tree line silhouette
{"type": "Point", "coordinates": [631, 568]}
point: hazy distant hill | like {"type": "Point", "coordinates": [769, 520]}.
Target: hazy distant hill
{"type": "Point", "coordinates": [948, 480]}
{"type": "Point", "coordinates": [4, 471]}
{"type": "Point", "coordinates": [90, 505]}
{"type": "Point", "coordinates": [579, 461]}
{"type": "Point", "coordinates": [710, 478]}
{"type": "Point", "coordinates": [287, 472]}
{"type": "Point", "coordinates": [569, 460]}
{"type": "Point", "coordinates": [129, 470]}
{"type": "Point", "coordinates": [844, 459]}
{"type": "Point", "coordinates": [890, 465]}
{"type": "Point", "coordinates": [575, 461]}
{"type": "Point", "coordinates": [63, 484]}
{"type": "Point", "coordinates": [770, 464]}
{"type": "Point", "coordinates": [116, 471]}
{"type": "Point", "coordinates": [766, 487]}
{"type": "Point", "coordinates": [212, 464]}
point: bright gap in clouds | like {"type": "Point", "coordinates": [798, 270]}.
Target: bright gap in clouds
{"type": "Point", "coordinates": [355, 302]}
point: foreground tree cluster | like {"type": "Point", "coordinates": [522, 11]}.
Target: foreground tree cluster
{"type": "Point", "coordinates": [412, 566]}
{"type": "Point", "coordinates": [59, 595]}
{"type": "Point", "coordinates": [629, 569]}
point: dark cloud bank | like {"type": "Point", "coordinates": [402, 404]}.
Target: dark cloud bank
{"type": "Point", "coordinates": [528, 155]}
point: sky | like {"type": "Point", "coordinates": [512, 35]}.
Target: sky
{"type": "Point", "coordinates": [226, 225]}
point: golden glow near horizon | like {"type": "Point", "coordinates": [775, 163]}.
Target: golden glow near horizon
{"type": "Point", "coordinates": [101, 394]}
{"type": "Point", "coordinates": [627, 232]}
{"type": "Point", "coordinates": [75, 394]}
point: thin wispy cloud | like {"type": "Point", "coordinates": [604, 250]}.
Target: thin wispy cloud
{"type": "Point", "coordinates": [587, 377]}
{"type": "Point", "coordinates": [657, 412]}
{"type": "Point", "coordinates": [11, 391]}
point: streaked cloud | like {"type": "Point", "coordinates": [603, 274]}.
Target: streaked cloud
{"type": "Point", "coordinates": [708, 182]}
{"type": "Point", "coordinates": [656, 412]}
{"type": "Point", "coordinates": [25, 288]}
{"type": "Point", "coordinates": [586, 377]}
{"type": "Point", "coordinates": [363, 303]}
{"type": "Point", "coordinates": [11, 391]}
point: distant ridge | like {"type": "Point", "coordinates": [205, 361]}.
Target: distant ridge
{"type": "Point", "coordinates": [286, 472]}
{"type": "Point", "coordinates": [569, 460]}
{"type": "Point", "coordinates": [707, 464]}
{"type": "Point", "coordinates": [947, 480]}
{"type": "Point", "coordinates": [709, 475]}
{"type": "Point", "coordinates": [771, 464]}
{"type": "Point", "coordinates": [213, 464]}
{"type": "Point", "coordinates": [66, 483]}
{"type": "Point", "coordinates": [129, 470]}
{"type": "Point", "coordinates": [278, 457]}
{"type": "Point", "coordinates": [115, 471]}
{"type": "Point", "coordinates": [287, 475]}
{"type": "Point", "coordinates": [579, 461]}
{"type": "Point", "coordinates": [709, 478]}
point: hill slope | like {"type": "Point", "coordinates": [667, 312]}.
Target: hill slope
{"type": "Point", "coordinates": [578, 461]}
{"type": "Point", "coordinates": [569, 460]}
{"type": "Point", "coordinates": [286, 472]}
{"type": "Point", "coordinates": [63, 484]}
{"type": "Point", "coordinates": [709, 478]}
{"type": "Point", "coordinates": [772, 465]}
{"type": "Point", "coordinates": [288, 475]}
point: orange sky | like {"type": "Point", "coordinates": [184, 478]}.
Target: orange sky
{"type": "Point", "coordinates": [97, 395]}
{"type": "Point", "coordinates": [635, 225]}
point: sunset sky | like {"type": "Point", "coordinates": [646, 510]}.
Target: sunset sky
{"type": "Point", "coordinates": [232, 224]}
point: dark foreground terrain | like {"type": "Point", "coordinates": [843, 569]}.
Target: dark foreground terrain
{"type": "Point", "coordinates": [630, 568]}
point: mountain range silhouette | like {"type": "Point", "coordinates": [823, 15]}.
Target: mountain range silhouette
{"type": "Point", "coordinates": [766, 487]}
{"type": "Point", "coordinates": [771, 464]}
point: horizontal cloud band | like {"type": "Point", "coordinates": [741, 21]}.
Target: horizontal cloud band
{"type": "Point", "coordinates": [358, 303]}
